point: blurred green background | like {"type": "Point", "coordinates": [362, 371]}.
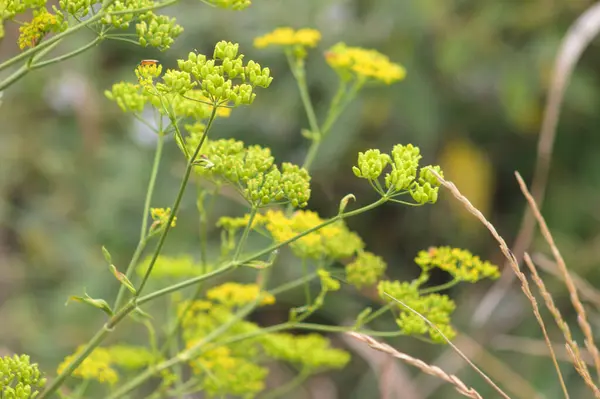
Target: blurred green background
{"type": "Point", "coordinates": [74, 169]}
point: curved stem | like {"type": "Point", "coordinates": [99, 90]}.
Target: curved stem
{"type": "Point", "coordinates": [68, 55]}
{"type": "Point", "coordinates": [175, 208]}
{"type": "Point", "coordinates": [144, 229]}
{"type": "Point", "coordinates": [440, 287]}
{"type": "Point", "coordinates": [299, 72]}
{"type": "Point", "coordinates": [289, 386]}
{"type": "Point", "coordinates": [24, 69]}
{"type": "Point", "coordinates": [244, 237]}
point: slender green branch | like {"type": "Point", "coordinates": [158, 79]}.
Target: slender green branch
{"type": "Point", "coordinates": [244, 237]}
{"type": "Point", "coordinates": [22, 71]}
{"type": "Point", "coordinates": [134, 302]}
{"type": "Point", "coordinates": [68, 55]}
{"type": "Point", "coordinates": [307, 296]}
{"type": "Point", "coordinates": [377, 313]}
{"type": "Point", "coordinates": [144, 228]}
{"type": "Point", "coordinates": [440, 287]}
{"type": "Point", "coordinates": [175, 208]}
{"type": "Point", "coordinates": [293, 284]}
{"type": "Point", "coordinates": [288, 387]}
{"type": "Point", "coordinates": [299, 72]}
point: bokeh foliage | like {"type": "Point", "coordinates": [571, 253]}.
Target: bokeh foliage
{"type": "Point", "coordinates": [73, 169]}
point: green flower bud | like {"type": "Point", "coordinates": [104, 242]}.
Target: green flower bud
{"type": "Point", "coordinates": [425, 175]}
{"type": "Point", "coordinates": [295, 182]}
{"type": "Point", "coordinates": [365, 270]}
{"type": "Point", "coordinates": [424, 193]}
{"type": "Point", "coordinates": [177, 82]}
{"type": "Point", "coordinates": [370, 164]}
{"type": "Point", "coordinates": [225, 50]}
{"type": "Point", "coordinates": [157, 31]}
{"type": "Point", "coordinates": [128, 97]}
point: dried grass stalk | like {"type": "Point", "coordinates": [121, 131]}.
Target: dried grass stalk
{"type": "Point", "coordinates": [435, 371]}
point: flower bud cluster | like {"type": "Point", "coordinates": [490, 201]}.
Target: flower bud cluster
{"type": "Point", "coordinates": [402, 179]}
{"type": "Point", "coordinates": [253, 172]}
{"type": "Point", "coordinates": [158, 31]}
{"type": "Point", "coordinates": [43, 22]}
{"type": "Point", "coordinates": [435, 307]}
{"type": "Point", "coordinates": [231, 4]}
{"type": "Point", "coordinates": [460, 263]}
{"type": "Point", "coordinates": [19, 379]}
{"type": "Point", "coordinates": [365, 270]}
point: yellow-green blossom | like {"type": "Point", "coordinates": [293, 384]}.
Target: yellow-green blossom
{"type": "Point", "coordinates": [289, 37]}
{"type": "Point", "coordinates": [43, 22]}
{"type": "Point", "coordinates": [360, 63]}
{"type": "Point", "coordinates": [161, 217]}
{"type": "Point", "coordinates": [234, 294]}
{"type": "Point", "coordinates": [435, 307]}
{"type": "Point", "coordinates": [460, 263]}
{"type": "Point", "coordinates": [19, 379]}
{"type": "Point", "coordinates": [365, 270]}
{"type": "Point", "coordinates": [311, 352]}
{"type": "Point", "coordinates": [97, 366]}
{"type": "Point", "coordinates": [130, 357]}
{"type": "Point", "coordinates": [227, 374]}
{"type": "Point", "coordinates": [333, 241]}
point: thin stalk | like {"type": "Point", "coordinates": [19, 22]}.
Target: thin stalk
{"type": "Point", "coordinates": [144, 228]}
{"type": "Point", "coordinates": [68, 55]}
{"type": "Point", "coordinates": [55, 39]}
{"type": "Point", "coordinates": [299, 72]}
{"type": "Point", "coordinates": [175, 208]}
{"type": "Point", "coordinates": [116, 319]}
{"type": "Point", "coordinates": [440, 287]}
{"type": "Point", "coordinates": [245, 234]}
{"type": "Point", "coordinates": [284, 389]}
{"type": "Point", "coordinates": [22, 71]}
{"type": "Point", "coordinates": [307, 295]}
{"type": "Point", "coordinates": [377, 313]}
{"type": "Point", "coordinates": [135, 302]}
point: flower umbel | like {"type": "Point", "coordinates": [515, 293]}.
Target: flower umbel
{"type": "Point", "coordinates": [295, 40]}
{"type": "Point", "coordinates": [362, 64]}
{"type": "Point", "coordinates": [460, 263]}
{"type": "Point", "coordinates": [19, 379]}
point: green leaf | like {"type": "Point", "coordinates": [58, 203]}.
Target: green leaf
{"type": "Point", "coordinates": [97, 303]}
{"type": "Point", "coordinates": [122, 279]}
{"type": "Point", "coordinates": [106, 255]}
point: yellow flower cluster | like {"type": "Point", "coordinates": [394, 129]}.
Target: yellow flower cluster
{"type": "Point", "coordinates": [312, 351]}
{"type": "Point", "coordinates": [460, 263]}
{"type": "Point", "coordinates": [227, 373]}
{"type": "Point", "coordinates": [334, 241]}
{"type": "Point", "coordinates": [97, 366]}
{"type": "Point", "coordinates": [161, 216]}
{"type": "Point", "coordinates": [289, 37]}
{"type": "Point", "coordinates": [234, 294]}
{"type": "Point", "coordinates": [42, 23]}
{"type": "Point", "coordinates": [360, 63]}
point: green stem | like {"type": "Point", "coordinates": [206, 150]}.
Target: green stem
{"type": "Point", "coordinates": [284, 389]}
{"type": "Point", "coordinates": [144, 228]}
{"type": "Point", "coordinates": [377, 313]}
{"type": "Point", "coordinates": [299, 72]}
{"type": "Point", "coordinates": [440, 287]}
{"type": "Point", "coordinates": [175, 208]}
{"type": "Point", "coordinates": [307, 295]}
{"type": "Point", "coordinates": [117, 318]}
{"type": "Point", "coordinates": [67, 55]}
{"type": "Point", "coordinates": [293, 284]}
{"type": "Point", "coordinates": [133, 303]}
{"type": "Point", "coordinates": [245, 234]}
{"type": "Point", "coordinates": [55, 39]}
{"type": "Point", "coordinates": [184, 356]}
{"type": "Point", "coordinates": [22, 71]}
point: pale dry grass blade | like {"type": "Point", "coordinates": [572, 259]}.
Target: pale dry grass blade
{"type": "Point", "coordinates": [562, 267]}
{"type": "Point", "coordinates": [458, 351]}
{"type": "Point", "coordinates": [394, 381]}
{"type": "Point", "coordinates": [587, 291]}
{"type": "Point", "coordinates": [502, 372]}
{"type": "Point", "coordinates": [535, 347]}
{"type": "Point", "coordinates": [460, 386]}
{"type": "Point", "coordinates": [512, 261]}
{"type": "Point", "coordinates": [576, 40]}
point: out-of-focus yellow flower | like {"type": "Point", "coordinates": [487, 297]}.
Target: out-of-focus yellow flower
{"type": "Point", "coordinates": [234, 294]}
{"type": "Point", "coordinates": [97, 366]}
{"type": "Point", "coordinates": [289, 37]}
{"type": "Point", "coordinates": [360, 63]}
